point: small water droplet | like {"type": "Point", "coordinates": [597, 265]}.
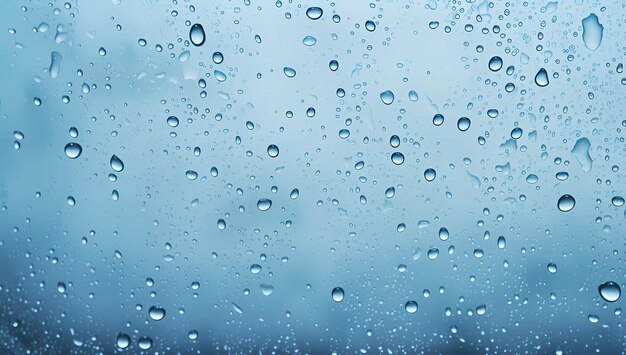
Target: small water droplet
{"type": "Point", "coordinates": [289, 72]}
{"type": "Point", "coordinates": [430, 174]}
{"type": "Point", "coordinates": [122, 341]}
{"type": "Point", "coordinates": [156, 313]}
{"type": "Point", "coordinates": [272, 150]}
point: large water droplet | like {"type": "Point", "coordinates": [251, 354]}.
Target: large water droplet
{"type": "Point", "coordinates": [610, 291]}
{"type": "Point", "coordinates": [116, 163]}
{"type": "Point", "coordinates": [314, 13]}
{"type": "Point", "coordinates": [172, 121]}
{"type": "Point", "coordinates": [463, 124]}
{"type": "Point", "coordinates": [156, 313]}
{"type": "Point", "coordinates": [387, 97]}
{"type": "Point", "coordinates": [566, 203]}
{"type": "Point", "coordinates": [264, 204]}
{"type": "Point", "coordinates": [397, 158]}
{"type": "Point", "coordinates": [337, 294]}
{"type": "Point", "coordinates": [541, 79]}
{"type": "Point", "coordinates": [145, 343]}
{"type": "Point", "coordinates": [272, 150]}
{"type": "Point", "coordinates": [73, 150]}
{"type": "Point", "coordinates": [430, 174]}
{"type": "Point", "coordinates": [289, 72]}
{"type": "Point", "coordinates": [196, 35]}
{"type": "Point", "coordinates": [410, 306]}
{"type": "Point", "coordinates": [592, 32]}
{"type": "Point", "coordinates": [122, 341]}
{"type": "Point", "coordinates": [495, 63]}
{"type": "Point", "coordinates": [581, 152]}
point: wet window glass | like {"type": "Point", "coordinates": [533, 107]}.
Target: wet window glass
{"type": "Point", "coordinates": [325, 177]}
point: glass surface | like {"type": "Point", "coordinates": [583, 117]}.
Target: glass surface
{"type": "Point", "coordinates": [186, 176]}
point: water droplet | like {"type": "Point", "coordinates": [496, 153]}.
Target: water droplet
{"type": "Point", "coordinates": [255, 268]}
{"type": "Point", "coordinates": [397, 158]}
{"type": "Point", "coordinates": [267, 289]}
{"type": "Point", "coordinates": [610, 291]}
{"type": "Point", "coordinates": [370, 25]}
{"type": "Point", "coordinates": [309, 41]}
{"type": "Point", "coordinates": [73, 150]}
{"type": "Point", "coordinates": [410, 306]}
{"type": "Point", "coordinates": [413, 95]}
{"type": "Point", "coordinates": [193, 334]}
{"type": "Point", "coordinates": [289, 72]}
{"type": "Point", "coordinates": [172, 121]}
{"type": "Point", "coordinates": [337, 294]}
{"type": "Point", "coordinates": [272, 150]}
{"type": "Point", "coordinates": [196, 35]}
{"type": "Point", "coordinates": [217, 57]}
{"type": "Point", "coordinates": [541, 79]}
{"type": "Point", "coordinates": [390, 192]}
{"type": "Point", "coordinates": [344, 133]}
{"type": "Point", "coordinates": [532, 179]}
{"type": "Point", "coordinates": [443, 233]}
{"type": "Point", "coordinates": [116, 163]}
{"type": "Point", "coordinates": [438, 119]}
{"type": "Point", "coordinates": [501, 242]}
{"type": "Point", "coordinates": [617, 201]}
{"type": "Point", "coordinates": [394, 141]}
{"type": "Point", "coordinates": [55, 64]}
{"type": "Point", "coordinates": [592, 32]}
{"type": "Point", "coordinates": [495, 63]}
{"type": "Point", "coordinates": [314, 13]}
{"type": "Point", "coordinates": [145, 343]}
{"type": "Point", "coordinates": [191, 175]}
{"type": "Point", "coordinates": [463, 124]}
{"type": "Point", "coordinates": [581, 152]}
{"type": "Point", "coordinates": [387, 97]}
{"type": "Point", "coordinates": [430, 174]}
{"type": "Point", "coordinates": [552, 268]}
{"type": "Point", "coordinates": [264, 204]}
{"type": "Point", "coordinates": [294, 194]}
{"type": "Point", "coordinates": [566, 203]}
{"type": "Point", "coordinates": [156, 313]}
{"type": "Point", "coordinates": [221, 224]}
{"type": "Point", "coordinates": [61, 287]}
{"type": "Point", "coordinates": [122, 341]}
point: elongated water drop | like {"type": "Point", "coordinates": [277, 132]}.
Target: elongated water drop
{"type": "Point", "coordinates": [55, 64]}
{"type": "Point", "coordinates": [541, 79]}
{"type": "Point", "coordinates": [581, 152]}
{"type": "Point", "coordinates": [337, 294]}
{"type": "Point", "coordinates": [116, 163]}
{"type": "Point", "coordinates": [196, 35]}
{"type": "Point", "coordinates": [592, 32]}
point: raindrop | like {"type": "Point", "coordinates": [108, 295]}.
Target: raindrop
{"type": "Point", "coordinates": [430, 174]}
{"type": "Point", "coordinates": [116, 163]}
{"type": "Point", "coordinates": [541, 79]}
{"type": "Point", "coordinates": [394, 141]}
{"type": "Point", "coordinates": [397, 158]}
{"type": "Point", "coordinates": [156, 313]}
{"type": "Point", "coordinates": [314, 13]}
{"type": "Point", "coordinates": [294, 194]}
{"type": "Point", "coordinates": [73, 150]}
{"type": "Point", "coordinates": [122, 341]}
{"type": "Point", "coordinates": [387, 97]}
{"type": "Point", "coordinates": [617, 201]}
{"type": "Point", "coordinates": [264, 204]}
{"type": "Point", "coordinates": [443, 233]}
{"type": "Point", "coordinates": [217, 57]}
{"type": "Point", "coordinates": [566, 203]}
{"type": "Point", "coordinates": [370, 25]}
{"type": "Point", "coordinates": [438, 119]}
{"type": "Point", "coordinates": [272, 150]}
{"type": "Point", "coordinates": [289, 72]}
{"type": "Point", "coordinates": [410, 306]}
{"type": "Point", "coordinates": [196, 35]}
{"type": "Point", "coordinates": [191, 175]}
{"type": "Point", "coordinates": [610, 291]}
{"type": "Point", "coordinates": [337, 294]}
{"type": "Point", "coordinates": [145, 343]}
{"type": "Point", "coordinates": [495, 63]}
{"type": "Point", "coordinates": [592, 32]}
{"type": "Point", "coordinates": [463, 124]}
